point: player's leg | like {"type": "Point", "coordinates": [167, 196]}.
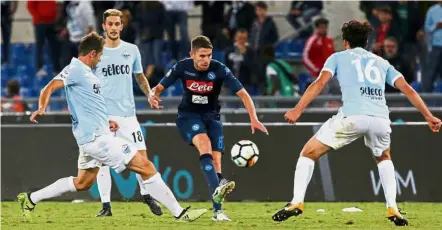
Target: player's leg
{"type": "Point", "coordinates": [120, 155]}
{"type": "Point", "coordinates": [104, 183]}
{"type": "Point", "coordinates": [82, 182]}
{"type": "Point", "coordinates": [216, 136]}
{"type": "Point", "coordinates": [333, 134]}
{"type": "Point", "coordinates": [130, 131]}
{"type": "Point", "coordinates": [378, 140]}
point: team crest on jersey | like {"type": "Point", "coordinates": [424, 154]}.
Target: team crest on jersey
{"type": "Point", "coordinates": [126, 55]}
{"type": "Point", "coordinates": [211, 75]}
{"type": "Point", "coordinates": [126, 149]}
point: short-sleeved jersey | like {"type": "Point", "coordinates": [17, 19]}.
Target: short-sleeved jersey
{"type": "Point", "coordinates": [201, 88]}
{"type": "Point", "coordinates": [115, 73]}
{"type": "Point", "coordinates": [85, 102]}
{"type": "Point", "coordinates": [362, 76]}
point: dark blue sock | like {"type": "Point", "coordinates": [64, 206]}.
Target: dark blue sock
{"type": "Point", "coordinates": [106, 205]}
{"type": "Point", "coordinates": [206, 162]}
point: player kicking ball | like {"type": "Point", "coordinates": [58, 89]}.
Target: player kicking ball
{"type": "Point", "coordinates": [119, 60]}
{"type": "Point", "coordinates": [198, 114]}
{"type": "Point", "coordinates": [362, 77]}
{"type": "Point", "coordinates": [90, 126]}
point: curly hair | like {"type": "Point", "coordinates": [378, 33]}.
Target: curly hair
{"type": "Point", "coordinates": [356, 33]}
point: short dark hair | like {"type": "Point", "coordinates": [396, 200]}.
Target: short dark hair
{"type": "Point", "coordinates": [241, 30]}
{"type": "Point", "coordinates": [112, 12]}
{"type": "Point", "coordinates": [201, 41]}
{"type": "Point", "coordinates": [261, 5]}
{"type": "Point", "coordinates": [393, 39]}
{"type": "Point", "coordinates": [13, 87]}
{"type": "Point", "coordinates": [385, 9]}
{"type": "Point", "coordinates": [356, 33]}
{"type": "Point", "coordinates": [321, 21]}
{"type": "Point", "coordinates": [91, 42]}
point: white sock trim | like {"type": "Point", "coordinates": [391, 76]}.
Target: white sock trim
{"type": "Point", "coordinates": [153, 178]}
{"type": "Point", "coordinates": [305, 160]}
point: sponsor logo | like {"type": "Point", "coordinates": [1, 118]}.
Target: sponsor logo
{"type": "Point", "coordinates": [115, 70]}
{"type": "Point", "coordinates": [199, 86]}
{"type": "Point", "coordinates": [189, 73]}
{"type": "Point", "coordinates": [372, 93]}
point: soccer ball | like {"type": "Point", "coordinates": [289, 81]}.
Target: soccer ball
{"type": "Point", "coordinates": [245, 153]}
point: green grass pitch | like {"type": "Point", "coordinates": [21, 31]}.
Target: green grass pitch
{"type": "Point", "coordinates": [244, 215]}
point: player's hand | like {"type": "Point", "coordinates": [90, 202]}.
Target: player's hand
{"type": "Point", "coordinates": [39, 112]}
{"type": "Point", "coordinates": [292, 116]}
{"type": "Point", "coordinates": [154, 101]}
{"type": "Point", "coordinates": [258, 125]}
{"type": "Point", "coordinates": [434, 123]}
{"type": "Point", "coordinates": [113, 126]}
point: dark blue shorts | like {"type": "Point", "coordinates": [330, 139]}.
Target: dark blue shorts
{"type": "Point", "coordinates": [191, 124]}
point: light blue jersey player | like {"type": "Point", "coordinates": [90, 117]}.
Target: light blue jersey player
{"type": "Point", "coordinates": [119, 62]}
{"type": "Point", "coordinates": [97, 144]}
{"type": "Point", "coordinates": [362, 77]}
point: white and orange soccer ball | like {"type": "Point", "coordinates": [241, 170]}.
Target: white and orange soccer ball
{"type": "Point", "coordinates": [245, 153]}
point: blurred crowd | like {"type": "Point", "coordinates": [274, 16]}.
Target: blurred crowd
{"type": "Point", "coordinates": [406, 33]}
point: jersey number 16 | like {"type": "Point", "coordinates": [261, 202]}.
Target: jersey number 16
{"type": "Point", "coordinates": [371, 73]}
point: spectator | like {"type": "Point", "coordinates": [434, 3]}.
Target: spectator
{"type": "Point", "coordinates": [302, 12]}
{"type": "Point", "coordinates": [318, 48]}
{"type": "Point", "coordinates": [433, 27]}
{"type": "Point", "coordinates": [239, 58]}
{"type": "Point", "coordinates": [240, 15]}
{"type": "Point", "coordinates": [280, 77]}
{"type": "Point", "coordinates": [264, 31]}
{"type": "Point", "coordinates": [408, 16]}
{"type": "Point", "coordinates": [150, 20]}
{"type": "Point", "coordinates": [13, 92]}
{"type": "Point", "coordinates": [387, 28]}
{"type": "Point", "coordinates": [80, 22]}
{"type": "Point", "coordinates": [176, 14]}
{"type": "Point", "coordinates": [129, 33]}
{"type": "Point", "coordinates": [391, 47]}
{"type": "Point", "coordinates": [8, 10]}
{"type": "Point", "coordinates": [212, 21]}
{"type": "Point", "coordinates": [44, 16]}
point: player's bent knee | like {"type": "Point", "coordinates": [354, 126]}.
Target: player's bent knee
{"type": "Point", "coordinates": [202, 143]}
{"type": "Point", "coordinates": [82, 185]}
{"type": "Point", "coordinates": [385, 156]}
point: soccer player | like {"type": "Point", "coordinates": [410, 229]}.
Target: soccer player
{"type": "Point", "coordinates": [362, 77]}
{"type": "Point", "coordinates": [198, 114]}
{"type": "Point", "coordinates": [90, 126]}
{"type": "Point", "coordinates": [120, 59]}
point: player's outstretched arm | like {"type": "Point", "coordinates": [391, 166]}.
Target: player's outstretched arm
{"type": "Point", "coordinates": [45, 95]}
{"type": "Point", "coordinates": [153, 100]}
{"type": "Point", "coordinates": [433, 122]}
{"type": "Point", "coordinates": [311, 93]}
{"type": "Point", "coordinates": [248, 103]}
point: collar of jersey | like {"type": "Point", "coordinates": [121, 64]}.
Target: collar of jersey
{"type": "Point", "coordinates": [82, 64]}
{"type": "Point", "coordinates": [113, 48]}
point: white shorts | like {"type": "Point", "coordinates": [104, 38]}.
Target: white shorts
{"type": "Point", "coordinates": [106, 150]}
{"type": "Point", "coordinates": [339, 131]}
{"type": "Point", "coordinates": [130, 131]}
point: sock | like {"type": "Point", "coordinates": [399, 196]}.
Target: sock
{"type": "Point", "coordinates": [56, 189]}
{"type": "Point", "coordinates": [206, 161]}
{"type": "Point", "coordinates": [220, 176]}
{"type": "Point", "coordinates": [388, 180]}
{"type": "Point", "coordinates": [104, 183]}
{"type": "Point", "coordinates": [303, 175]}
{"type": "Point", "coordinates": [143, 189]}
{"type": "Point", "coordinates": [160, 192]}
{"type": "Point", "coordinates": [106, 205]}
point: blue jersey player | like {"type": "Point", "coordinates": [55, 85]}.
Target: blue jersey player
{"type": "Point", "coordinates": [119, 62]}
{"type": "Point", "coordinates": [362, 77]}
{"type": "Point", "coordinates": [90, 126]}
{"type": "Point", "coordinates": [198, 114]}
